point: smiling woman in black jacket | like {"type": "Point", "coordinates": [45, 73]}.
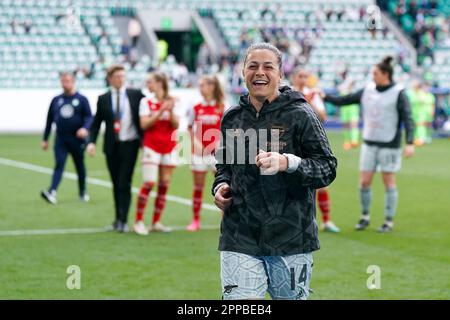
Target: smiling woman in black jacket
{"type": "Point", "coordinates": [269, 229]}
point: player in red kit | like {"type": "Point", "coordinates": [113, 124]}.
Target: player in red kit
{"type": "Point", "coordinates": [204, 128]}
{"type": "Point", "coordinates": [159, 157]}
{"type": "Point", "coordinates": [304, 82]}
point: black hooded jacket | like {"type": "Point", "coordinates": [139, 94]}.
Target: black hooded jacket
{"type": "Point", "coordinates": [273, 215]}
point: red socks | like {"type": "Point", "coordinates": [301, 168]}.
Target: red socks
{"type": "Point", "coordinates": [160, 202]}
{"type": "Point", "coordinates": [197, 201]}
{"type": "Point", "coordinates": [142, 200]}
{"type": "Point", "coordinates": [324, 204]}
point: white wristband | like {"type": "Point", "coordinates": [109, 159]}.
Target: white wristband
{"type": "Point", "coordinates": [293, 162]}
{"type": "Point", "coordinates": [218, 186]}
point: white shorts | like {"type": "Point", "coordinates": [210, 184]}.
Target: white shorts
{"type": "Point", "coordinates": [203, 164]}
{"type": "Point", "coordinates": [151, 160]}
{"type": "Point", "coordinates": [373, 158]}
{"type": "Point", "coordinates": [150, 156]}
{"type": "Point", "coordinates": [250, 277]}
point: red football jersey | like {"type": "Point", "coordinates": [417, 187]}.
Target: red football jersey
{"type": "Point", "coordinates": [161, 137]}
{"type": "Point", "coordinates": [209, 116]}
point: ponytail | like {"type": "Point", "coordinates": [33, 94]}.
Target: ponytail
{"type": "Point", "coordinates": [385, 66]}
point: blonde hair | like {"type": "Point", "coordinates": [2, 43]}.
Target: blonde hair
{"type": "Point", "coordinates": [218, 92]}
{"type": "Point", "coordinates": [311, 81]}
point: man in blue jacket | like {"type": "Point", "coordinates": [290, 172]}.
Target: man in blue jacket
{"type": "Point", "coordinates": [71, 113]}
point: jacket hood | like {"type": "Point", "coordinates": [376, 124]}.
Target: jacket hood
{"type": "Point", "coordinates": [286, 97]}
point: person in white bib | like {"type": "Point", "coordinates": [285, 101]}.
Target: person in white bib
{"type": "Point", "coordinates": [385, 107]}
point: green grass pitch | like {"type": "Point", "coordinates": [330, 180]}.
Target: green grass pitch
{"type": "Point", "coordinates": [414, 259]}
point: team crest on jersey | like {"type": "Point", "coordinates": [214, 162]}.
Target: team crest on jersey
{"type": "Point", "coordinates": [208, 119]}
{"type": "Point", "coordinates": [66, 111]}
{"type": "Point", "coordinates": [60, 101]}
{"type": "Point", "coordinates": [75, 102]}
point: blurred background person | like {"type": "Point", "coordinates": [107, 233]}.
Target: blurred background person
{"type": "Point", "coordinates": [305, 82]}
{"type": "Point", "coordinates": [423, 107]}
{"type": "Point", "coordinates": [71, 113]}
{"type": "Point", "coordinates": [204, 129]}
{"type": "Point", "coordinates": [159, 122]}
{"type": "Point", "coordinates": [385, 108]}
{"type": "Point", "coordinates": [349, 114]}
{"type": "Point", "coordinates": [119, 109]}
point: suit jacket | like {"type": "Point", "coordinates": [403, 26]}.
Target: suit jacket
{"type": "Point", "coordinates": [105, 113]}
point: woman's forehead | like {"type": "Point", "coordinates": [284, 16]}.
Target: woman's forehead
{"type": "Point", "coordinates": [262, 56]}
{"type": "Point", "coordinates": [205, 81]}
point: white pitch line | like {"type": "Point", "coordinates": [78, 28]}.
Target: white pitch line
{"type": "Point", "coordinates": [9, 233]}
{"type": "Point", "coordinates": [95, 181]}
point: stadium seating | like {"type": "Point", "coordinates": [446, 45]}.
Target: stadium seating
{"type": "Point", "coordinates": [81, 34]}
{"type": "Point", "coordinates": [63, 35]}
{"type": "Point", "coordinates": [434, 62]}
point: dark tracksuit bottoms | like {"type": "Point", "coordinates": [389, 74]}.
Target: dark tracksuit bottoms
{"type": "Point", "coordinates": [74, 147]}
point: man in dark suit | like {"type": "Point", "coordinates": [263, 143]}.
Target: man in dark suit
{"type": "Point", "coordinates": [119, 109]}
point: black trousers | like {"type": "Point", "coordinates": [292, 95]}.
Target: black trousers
{"type": "Point", "coordinates": [121, 162]}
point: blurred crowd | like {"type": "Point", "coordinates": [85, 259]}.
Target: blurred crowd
{"type": "Point", "coordinates": [425, 23]}
{"type": "Point", "coordinates": [296, 43]}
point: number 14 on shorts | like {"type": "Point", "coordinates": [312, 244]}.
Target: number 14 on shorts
{"type": "Point", "coordinates": [302, 277]}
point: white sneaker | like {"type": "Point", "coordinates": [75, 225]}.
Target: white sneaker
{"type": "Point", "coordinates": [330, 227]}
{"type": "Point", "coordinates": [49, 196]}
{"type": "Point", "coordinates": [140, 229]}
{"type": "Point", "coordinates": [85, 197]}
{"type": "Point", "coordinates": [159, 227]}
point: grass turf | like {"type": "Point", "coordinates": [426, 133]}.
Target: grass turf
{"type": "Point", "coordinates": [414, 259]}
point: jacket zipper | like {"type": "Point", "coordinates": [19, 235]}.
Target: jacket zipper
{"type": "Point", "coordinates": [261, 236]}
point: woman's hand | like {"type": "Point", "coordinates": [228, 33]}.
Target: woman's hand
{"type": "Point", "coordinates": [409, 150]}
{"type": "Point", "coordinates": [271, 162]}
{"type": "Point", "coordinates": [223, 198]}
